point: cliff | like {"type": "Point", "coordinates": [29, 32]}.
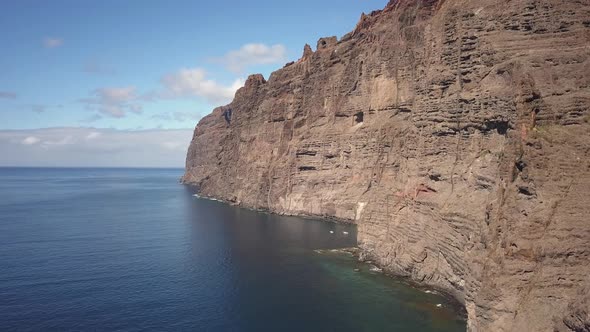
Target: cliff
{"type": "Point", "coordinates": [455, 134]}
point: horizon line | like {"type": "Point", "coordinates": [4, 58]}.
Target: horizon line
{"type": "Point", "coordinates": [96, 167]}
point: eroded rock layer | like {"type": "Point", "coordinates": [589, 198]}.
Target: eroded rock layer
{"type": "Point", "coordinates": [455, 133]}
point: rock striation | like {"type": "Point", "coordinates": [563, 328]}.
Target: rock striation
{"type": "Point", "coordinates": [455, 133]}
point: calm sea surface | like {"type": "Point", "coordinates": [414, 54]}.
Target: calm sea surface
{"type": "Point", "coordinates": [133, 250]}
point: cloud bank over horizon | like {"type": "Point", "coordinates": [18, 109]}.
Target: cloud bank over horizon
{"type": "Point", "coordinates": [94, 147]}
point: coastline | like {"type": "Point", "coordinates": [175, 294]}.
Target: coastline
{"type": "Point", "coordinates": [361, 255]}
{"type": "Point", "coordinates": [265, 210]}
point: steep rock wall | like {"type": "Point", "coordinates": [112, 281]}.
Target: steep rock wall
{"type": "Point", "coordinates": [455, 134]}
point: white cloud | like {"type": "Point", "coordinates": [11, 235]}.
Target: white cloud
{"type": "Point", "coordinates": [66, 140]}
{"type": "Point", "coordinates": [94, 147]}
{"type": "Point", "coordinates": [112, 110]}
{"type": "Point", "coordinates": [30, 140]}
{"type": "Point", "coordinates": [114, 102]}
{"type": "Point", "coordinates": [193, 82]}
{"type": "Point", "coordinates": [52, 42]}
{"type": "Point", "coordinates": [116, 95]}
{"type": "Point", "coordinates": [48, 140]}
{"type": "Point", "coordinates": [93, 135]}
{"type": "Point", "coordinates": [185, 83]}
{"type": "Point", "coordinates": [253, 54]}
{"type": "Point", "coordinates": [178, 116]}
{"type": "Point", "coordinates": [178, 146]}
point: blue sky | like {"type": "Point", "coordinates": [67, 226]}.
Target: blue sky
{"type": "Point", "coordinates": [143, 66]}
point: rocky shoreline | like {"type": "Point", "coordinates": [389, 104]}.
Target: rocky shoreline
{"type": "Point", "coordinates": [356, 252]}
{"type": "Point", "coordinates": [457, 306]}
{"type": "Point", "coordinates": [361, 258]}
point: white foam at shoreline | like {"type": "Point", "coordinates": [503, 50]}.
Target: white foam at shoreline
{"type": "Point", "coordinates": [207, 198]}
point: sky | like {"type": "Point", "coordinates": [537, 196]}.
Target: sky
{"type": "Point", "coordinates": [123, 83]}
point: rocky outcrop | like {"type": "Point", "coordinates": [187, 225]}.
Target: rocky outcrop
{"type": "Point", "coordinates": [455, 134]}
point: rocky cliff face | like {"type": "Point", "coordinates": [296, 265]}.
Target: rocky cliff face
{"type": "Point", "coordinates": [455, 133]}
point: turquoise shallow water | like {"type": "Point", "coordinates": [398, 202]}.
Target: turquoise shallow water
{"type": "Point", "coordinates": [132, 250]}
{"type": "Point", "coordinates": [375, 295]}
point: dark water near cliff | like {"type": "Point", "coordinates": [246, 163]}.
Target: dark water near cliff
{"type": "Point", "coordinates": [132, 250]}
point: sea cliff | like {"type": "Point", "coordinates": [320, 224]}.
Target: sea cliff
{"type": "Point", "coordinates": [455, 134]}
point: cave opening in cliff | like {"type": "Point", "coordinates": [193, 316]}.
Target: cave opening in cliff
{"type": "Point", "coordinates": [359, 117]}
{"type": "Point", "coordinates": [501, 126]}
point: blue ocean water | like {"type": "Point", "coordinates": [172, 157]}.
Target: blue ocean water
{"type": "Point", "coordinates": [133, 250]}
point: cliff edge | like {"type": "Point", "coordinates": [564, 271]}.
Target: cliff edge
{"type": "Point", "coordinates": [455, 133]}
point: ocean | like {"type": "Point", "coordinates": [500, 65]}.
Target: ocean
{"type": "Point", "coordinates": [134, 250]}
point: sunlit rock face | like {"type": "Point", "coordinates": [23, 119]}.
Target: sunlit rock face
{"type": "Point", "coordinates": [455, 134]}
